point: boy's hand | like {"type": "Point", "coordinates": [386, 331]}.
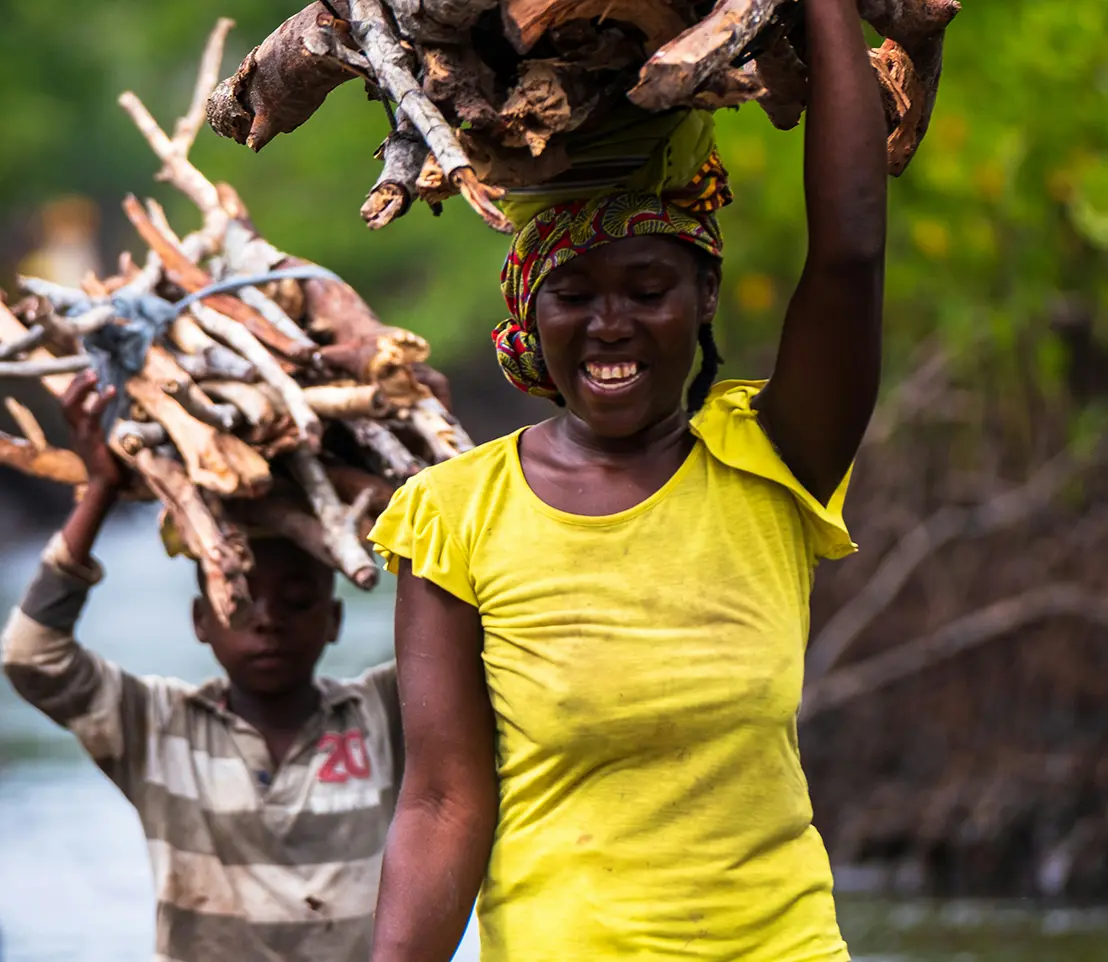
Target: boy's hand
{"type": "Point", "coordinates": [83, 406]}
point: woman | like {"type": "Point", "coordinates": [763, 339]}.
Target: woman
{"type": "Point", "coordinates": [601, 619]}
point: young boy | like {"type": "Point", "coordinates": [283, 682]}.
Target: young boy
{"type": "Point", "coordinates": [265, 796]}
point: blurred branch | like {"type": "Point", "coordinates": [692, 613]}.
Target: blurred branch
{"type": "Point", "coordinates": [944, 526]}
{"type": "Point", "coordinates": [188, 126]}
{"type": "Point", "coordinates": [994, 621]}
{"type": "Point", "coordinates": [173, 153]}
{"type": "Point", "coordinates": [53, 464]}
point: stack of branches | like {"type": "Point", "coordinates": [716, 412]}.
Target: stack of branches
{"type": "Point", "coordinates": [488, 95]}
{"type": "Point", "coordinates": [254, 389]}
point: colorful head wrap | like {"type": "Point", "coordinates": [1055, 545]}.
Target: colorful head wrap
{"type": "Point", "coordinates": [571, 228]}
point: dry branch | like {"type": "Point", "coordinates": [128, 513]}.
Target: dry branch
{"type": "Point", "coordinates": [180, 270]}
{"type": "Point", "coordinates": [52, 464]}
{"type": "Point", "coordinates": [21, 345]}
{"type": "Point", "coordinates": [994, 621]}
{"type": "Point", "coordinates": [370, 29]}
{"type": "Point", "coordinates": [404, 154]}
{"type": "Point", "coordinates": [27, 423]}
{"type": "Point", "coordinates": [43, 368]}
{"type": "Point", "coordinates": [472, 116]}
{"type": "Point", "coordinates": [525, 21]}
{"type": "Point", "coordinates": [946, 525]}
{"type": "Point", "coordinates": [339, 522]}
{"type": "Point", "coordinates": [675, 72]}
{"type": "Point", "coordinates": [215, 460]}
{"type": "Point", "coordinates": [280, 84]}
{"type": "Point", "coordinates": [220, 559]}
{"type": "Point", "coordinates": [188, 126]}
{"type": "Point", "coordinates": [11, 329]}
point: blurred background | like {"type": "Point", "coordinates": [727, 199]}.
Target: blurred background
{"type": "Point", "coordinates": [954, 728]}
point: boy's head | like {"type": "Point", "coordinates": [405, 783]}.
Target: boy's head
{"type": "Point", "coordinates": [294, 615]}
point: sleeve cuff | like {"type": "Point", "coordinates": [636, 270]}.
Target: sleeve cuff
{"type": "Point", "coordinates": [58, 557]}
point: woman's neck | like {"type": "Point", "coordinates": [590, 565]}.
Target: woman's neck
{"type": "Point", "coordinates": [667, 434]}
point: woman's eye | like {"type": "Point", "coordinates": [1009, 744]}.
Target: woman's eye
{"type": "Point", "coordinates": [573, 297]}
{"type": "Point", "coordinates": [649, 295]}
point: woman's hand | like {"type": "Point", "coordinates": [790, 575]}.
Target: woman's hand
{"type": "Point", "coordinates": [83, 405]}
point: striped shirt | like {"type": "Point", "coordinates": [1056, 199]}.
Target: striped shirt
{"type": "Point", "coordinates": [249, 863]}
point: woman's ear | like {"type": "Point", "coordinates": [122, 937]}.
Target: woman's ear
{"type": "Point", "coordinates": [711, 279]}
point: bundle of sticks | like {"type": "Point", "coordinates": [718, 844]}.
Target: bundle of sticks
{"type": "Point", "coordinates": [255, 390]}
{"type": "Point", "coordinates": [487, 95]}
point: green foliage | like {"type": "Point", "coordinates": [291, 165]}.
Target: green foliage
{"type": "Point", "coordinates": [1005, 206]}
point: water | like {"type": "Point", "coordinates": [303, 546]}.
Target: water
{"type": "Point", "coordinates": [75, 885]}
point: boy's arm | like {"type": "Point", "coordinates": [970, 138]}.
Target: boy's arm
{"type": "Point", "coordinates": [105, 708]}
{"type": "Point", "coordinates": [382, 679]}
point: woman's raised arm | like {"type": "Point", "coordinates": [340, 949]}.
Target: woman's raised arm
{"type": "Point", "coordinates": [439, 843]}
{"type": "Point", "coordinates": [819, 401]}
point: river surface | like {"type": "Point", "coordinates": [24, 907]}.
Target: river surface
{"type": "Point", "coordinates": [74, 881]}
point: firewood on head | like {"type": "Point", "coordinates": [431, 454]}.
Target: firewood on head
{"type": "Point", "coordinates": [44, 368]}
{"type": "Point", "coordinates": [510, 167]}
{"type": "Point", "coordinates": [550, 98]}
{"type": "Point", "coordinates": [280, 84]}
{"type": "Point", "coordinates": [525, 21]}
{"type": "Point", "coordinates": [334, 312]}
{"type": "Point", "coordinates": [223, 563]}
{"type": "Point", "coordinates": [372, 32]}
{"type": "Point", "coordinates": [17, 346]}
{"type": "Point", "coordinates": [404, 154]}
{"type": "Point", "coordinates": [49, 463]}
{"type": "Point", "coordinates": [12, 329]}
{"type": "Point", "coordinates": [675, 72]}
{"type": "Point", "coordinates": [784, 77]}
{"type": "Point", "coordinates": [222, 417]}
{"type": "Point", "coordinates": [340, 522]}
{"type": "Point", "coordinates": [907, 22]}
{"type": "Point", "coordinates": [439, 430]}
{"type": "Point", "coordinates": [131, 436]}
{"type": "Point", "coordinates": [219, 462]}
{"type": "Point", "coordinates": [286, 518]}
{"type": "Point", "coordinates": [236, 336]}
{"type": "Point", "coordinates": [347, 401]}
{"type": "Point", "coordinates": [384, 454]}
{"type": "Point", "coordinates": [376, 357]}
{"type": "Point", "coordinates": [192, 278]}
{"type": "Point", "coordinates": [729, 87]}
{"type": "Point", "coordinates": [436, 21]}
{"type": "Point", "coordinates": [351, 483]}
{"type": "Point", "coordinates": [461, 84]}
{"type": "Point", "coordinates": [913, 82]}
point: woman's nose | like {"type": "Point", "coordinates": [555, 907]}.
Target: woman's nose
{"type": "Point", "coordinates": [611, 320]}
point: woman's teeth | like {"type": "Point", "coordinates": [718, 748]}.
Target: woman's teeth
{"type": "Point", "coordinates": [612, 373]}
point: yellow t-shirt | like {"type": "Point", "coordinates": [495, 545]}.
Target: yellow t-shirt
{"type": "Point", "coordinates": [645, 669]}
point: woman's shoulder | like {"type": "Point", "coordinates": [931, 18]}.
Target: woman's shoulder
{"type": "Point", "coordinates": [482, 464]}
{"type": "Point", "coordinates": [729, 427]}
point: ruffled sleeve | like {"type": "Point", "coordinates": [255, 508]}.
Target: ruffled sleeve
{"type": "Point", "coordinates": [729, 428]}
{"type": "Point", "coordinates": [412, 527]}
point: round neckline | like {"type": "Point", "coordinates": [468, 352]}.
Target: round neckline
{"type": "Point", "coordinates": [597, 520]}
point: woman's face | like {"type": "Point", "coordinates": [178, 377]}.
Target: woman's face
{"type": "Point", "coordinates": [618, 328]}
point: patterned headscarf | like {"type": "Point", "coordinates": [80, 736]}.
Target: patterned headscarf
{"type": "Point", "coordinates": [559, 234]}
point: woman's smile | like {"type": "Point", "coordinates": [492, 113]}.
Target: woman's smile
{"type": "Point", "coordinates": [613, 377]}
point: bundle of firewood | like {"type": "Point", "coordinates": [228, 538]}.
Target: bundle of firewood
{"type": "Point", "coordinates": [486, 96]}
{"type": "Point", "coordinates": [255, 390]}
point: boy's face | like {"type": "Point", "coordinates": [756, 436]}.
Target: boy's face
{"type": "Point", "coordinates": [293, 617]}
